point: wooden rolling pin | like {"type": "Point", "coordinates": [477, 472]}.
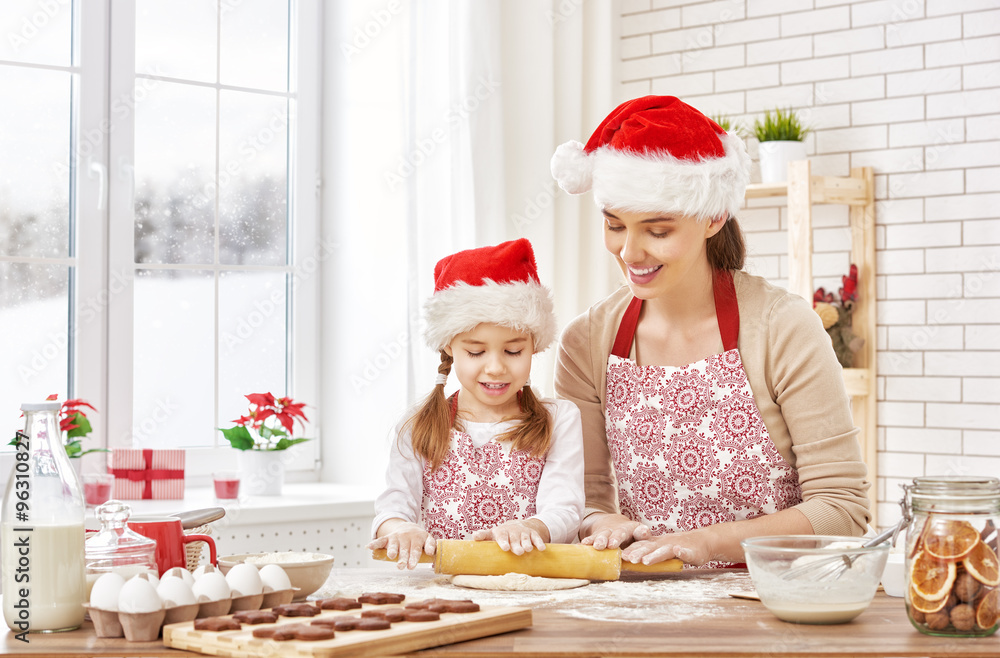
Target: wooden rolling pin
{"type": "Point", "coordinates": [486, 558]}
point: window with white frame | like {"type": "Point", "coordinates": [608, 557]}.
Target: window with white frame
{"type": "Point", "coordinates": [39, 81]}
{"type": "Point", "coordinates": [186, 148]}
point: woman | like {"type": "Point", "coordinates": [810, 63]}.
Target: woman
{"type": "Point", "coordinates": [713, 405]}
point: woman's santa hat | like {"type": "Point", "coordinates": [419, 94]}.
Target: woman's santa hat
{"type": "Point", "coordinates": [657, 154]}
{"type": "Point", "coordinates": [496, 284]}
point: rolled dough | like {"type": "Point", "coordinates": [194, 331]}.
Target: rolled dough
{"type": "Point", "coordinates": [518, 582]}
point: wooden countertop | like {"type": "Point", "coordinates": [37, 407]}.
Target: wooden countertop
{"type": "Point", "coordinates": [688, 614]}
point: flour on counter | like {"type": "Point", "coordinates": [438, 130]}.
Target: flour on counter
{"type": "Point", "coordinates": [668, 598]}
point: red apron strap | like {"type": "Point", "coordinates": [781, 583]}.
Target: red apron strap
{"type": "Point", "coordinates": [626, 330]}
{"type": "Point", "coordinates": [727, 311]}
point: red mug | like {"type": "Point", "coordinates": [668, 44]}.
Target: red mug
{"type": "Point", "coordinates": [170, 540]}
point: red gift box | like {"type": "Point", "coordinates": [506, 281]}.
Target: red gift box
{"type": "Point", "coordinates": [155, 474]}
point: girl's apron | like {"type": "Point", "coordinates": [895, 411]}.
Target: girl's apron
{"type": "Point", "coordinates": [688, 444]}
{"type": "Point", "coordinates": [479, 488]}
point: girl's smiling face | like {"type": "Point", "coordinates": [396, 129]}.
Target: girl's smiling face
{"type": "Point", "coordinates": [492, 364]}
{"type": "Point", "coordinates": [656, 252]}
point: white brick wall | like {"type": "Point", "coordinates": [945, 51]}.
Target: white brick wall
{"type": "Point", "coordinates": [912, 89]}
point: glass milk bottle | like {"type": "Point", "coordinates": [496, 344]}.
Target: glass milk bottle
{"type": "Point", "coordinates": [42, 530]}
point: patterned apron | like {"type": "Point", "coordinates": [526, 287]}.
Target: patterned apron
{"type": "Point", "coordinates": [688, 444]}
{"type": "Point", "coordinates": [478, 488]}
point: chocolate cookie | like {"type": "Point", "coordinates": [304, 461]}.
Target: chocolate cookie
{"type": "Point", "coordinates": [313, 633]}
{"type": "Point", "coordinates": [388, 614]}
{"type": "Point", "coordinates": [277, 633]}
{"type": "Point", "coordinates": [296, 610]}
{"type": "Point", "coordinates": [346, 623]}
{"type": "Point", "coordinates": [381, 598]}
{"type": "Point", "coordinates": [372, 624]}
{"type": "Point", "coordinates": [216, 624]}
{"type": "Point", "coordinates": [421, 615]}
{"type": "Point", "coordinates": [256, 616]}
{"type": "Point", "coordinates": [339, 604]}
{"type": "Point", "coordinates": [447, 605]}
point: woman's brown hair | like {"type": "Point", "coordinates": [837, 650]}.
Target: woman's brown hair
{"type": "Point", "coordinates": [430, 427]}
{"type": "Point", "coordinates": [727, 249]}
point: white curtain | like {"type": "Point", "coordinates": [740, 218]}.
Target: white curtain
{"type": "Point", "coordinates": [514, 78]}
{"type": "Point", "coordinates": [439, 123]}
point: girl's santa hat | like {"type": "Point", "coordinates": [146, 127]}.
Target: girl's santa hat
{"type": "Point", "coordinates": [498, 285]}
{"type": "Point", "coordinates": [657, 154]}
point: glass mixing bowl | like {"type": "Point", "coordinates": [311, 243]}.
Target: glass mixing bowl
{"type": "Point", "coordinates": [805, 579]}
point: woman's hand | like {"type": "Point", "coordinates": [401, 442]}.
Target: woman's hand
{"type": "Point", "coordinates": [602, 530]}
{"type": "Point", "coordinates": [693, 548]}
{"type": "Point", "coordinates": [404, 542]}
{"type": "Point", "coordinates": [518, 537]}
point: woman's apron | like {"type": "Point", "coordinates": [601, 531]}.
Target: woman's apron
{"type": "Point", "coordinates": [478, 488]}
{"type": "Point", "coordinates": [688, 444]}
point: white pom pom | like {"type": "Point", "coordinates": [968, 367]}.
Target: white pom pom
{"type": "Point", "coordinates": [572, 168]}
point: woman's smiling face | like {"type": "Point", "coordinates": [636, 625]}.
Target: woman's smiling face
{"type": "Point", "coordinates": [656, 251]}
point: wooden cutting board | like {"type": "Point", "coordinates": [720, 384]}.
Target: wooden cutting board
{"type": "Point", "coordinates": [402, 637]}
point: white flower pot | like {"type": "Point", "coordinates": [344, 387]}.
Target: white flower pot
{"type": "Point", "coordinates": [262, 471]}
{"type": "Point", "coordinates": [775, 156]}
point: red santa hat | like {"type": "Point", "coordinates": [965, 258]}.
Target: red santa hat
{"type": "Point", "coordinates": [657, 154]}
{"type": "Point", "coordinates": [496, 284]}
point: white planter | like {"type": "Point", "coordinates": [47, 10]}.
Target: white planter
{"type": "Point", "coordinates": [774, 159]}
{"type": "Point", "coordinates": [262, 472]}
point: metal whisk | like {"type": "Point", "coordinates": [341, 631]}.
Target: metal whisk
{"type": "Point", "coordinates": [833, 567]}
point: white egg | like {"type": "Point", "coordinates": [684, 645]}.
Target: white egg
{"type": "Point", "coordinates": [174, 591]}
{"type": "Point", "coordinates": [179, 572]}
{"type": "Point", "coordinates": [138, 595]}
{"type": "Point", "coordinates": [203, 569]}
{"type": "Point", "coordinates": [244, 580]}
{"type": "Point", "coordinates": [149, 575]}
{"type": "Point", "coordinates": [104, 595]}
{"type": "Point", "coordinates": [274, 578]}
{"type": "Point", "coordinates": [211, 587]}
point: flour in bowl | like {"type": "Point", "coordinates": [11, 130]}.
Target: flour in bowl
{"type": "Point", "coordinates": [284, 557]}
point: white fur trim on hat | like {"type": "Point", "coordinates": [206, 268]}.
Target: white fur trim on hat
{"type": "Point", "coordinates": [521, 306]}
{"type": "Point", "coordinates": [661, 183]}
{"type": "Point", "coordinates": [572, 168]}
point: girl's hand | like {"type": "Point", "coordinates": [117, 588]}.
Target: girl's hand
{"type": "Point", "coordinates": [602, 530]}
{"type": "Point", "coordinates": [518, 537]}
{"type": "Point", "coordinates": [405, 543]}
{"type": "Point", "coordinates": [694, 547]}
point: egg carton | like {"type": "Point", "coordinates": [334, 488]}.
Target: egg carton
{"type": "Point", "coordinates": [147, 626]}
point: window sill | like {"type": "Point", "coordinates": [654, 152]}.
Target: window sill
{"type": "Point", "coordinates": [299, 502]}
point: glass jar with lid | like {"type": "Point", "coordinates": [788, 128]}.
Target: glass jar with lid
{"type": "Point", "coordinates": [117, 548]}
{"type": "Point", "coordinates": [951, 555]}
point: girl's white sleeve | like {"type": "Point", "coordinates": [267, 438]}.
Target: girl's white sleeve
{"type": "Point", "coordinates": [403, 484]}
{"type": "Point", "coordinates": [560, 500]}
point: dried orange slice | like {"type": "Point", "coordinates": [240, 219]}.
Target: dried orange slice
{"type": "Point", "coordinates": [931, 577]}
{"type": "Point", "coordinates": [981, 563]}
{"type": "Point", "coordinates": [988, 610]}
{"type": "Point", "coordinates": [923, 605]}
{"type": "Point", "coordinates": [950, 540]}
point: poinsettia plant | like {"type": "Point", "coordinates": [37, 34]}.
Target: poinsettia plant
{"type": "Point", "coordinates": [836, 310]}
{"type": "Point", "coordinates": [268, 425]}
{"type": "Point", "coordinates": [75, 426]}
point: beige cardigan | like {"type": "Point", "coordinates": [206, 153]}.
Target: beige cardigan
{"type": "Point", "coordinates": [796, 382]}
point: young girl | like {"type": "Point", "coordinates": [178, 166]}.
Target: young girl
{"type": "Point", "coordinates": [492, 461]}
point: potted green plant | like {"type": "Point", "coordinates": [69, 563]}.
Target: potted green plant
{"type": "Point", "coordinates": [781, 134]}
{"type": "Point", "coordinates": [731, 127]}
{"type": "Point", "coordinates": [262, 436]}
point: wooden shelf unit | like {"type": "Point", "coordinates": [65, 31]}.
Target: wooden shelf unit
{"type": "Point", "coordinates": [857, 191]}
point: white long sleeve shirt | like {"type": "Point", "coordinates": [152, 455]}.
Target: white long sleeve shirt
{"type": "Point", "coordinates": [560, 499]}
